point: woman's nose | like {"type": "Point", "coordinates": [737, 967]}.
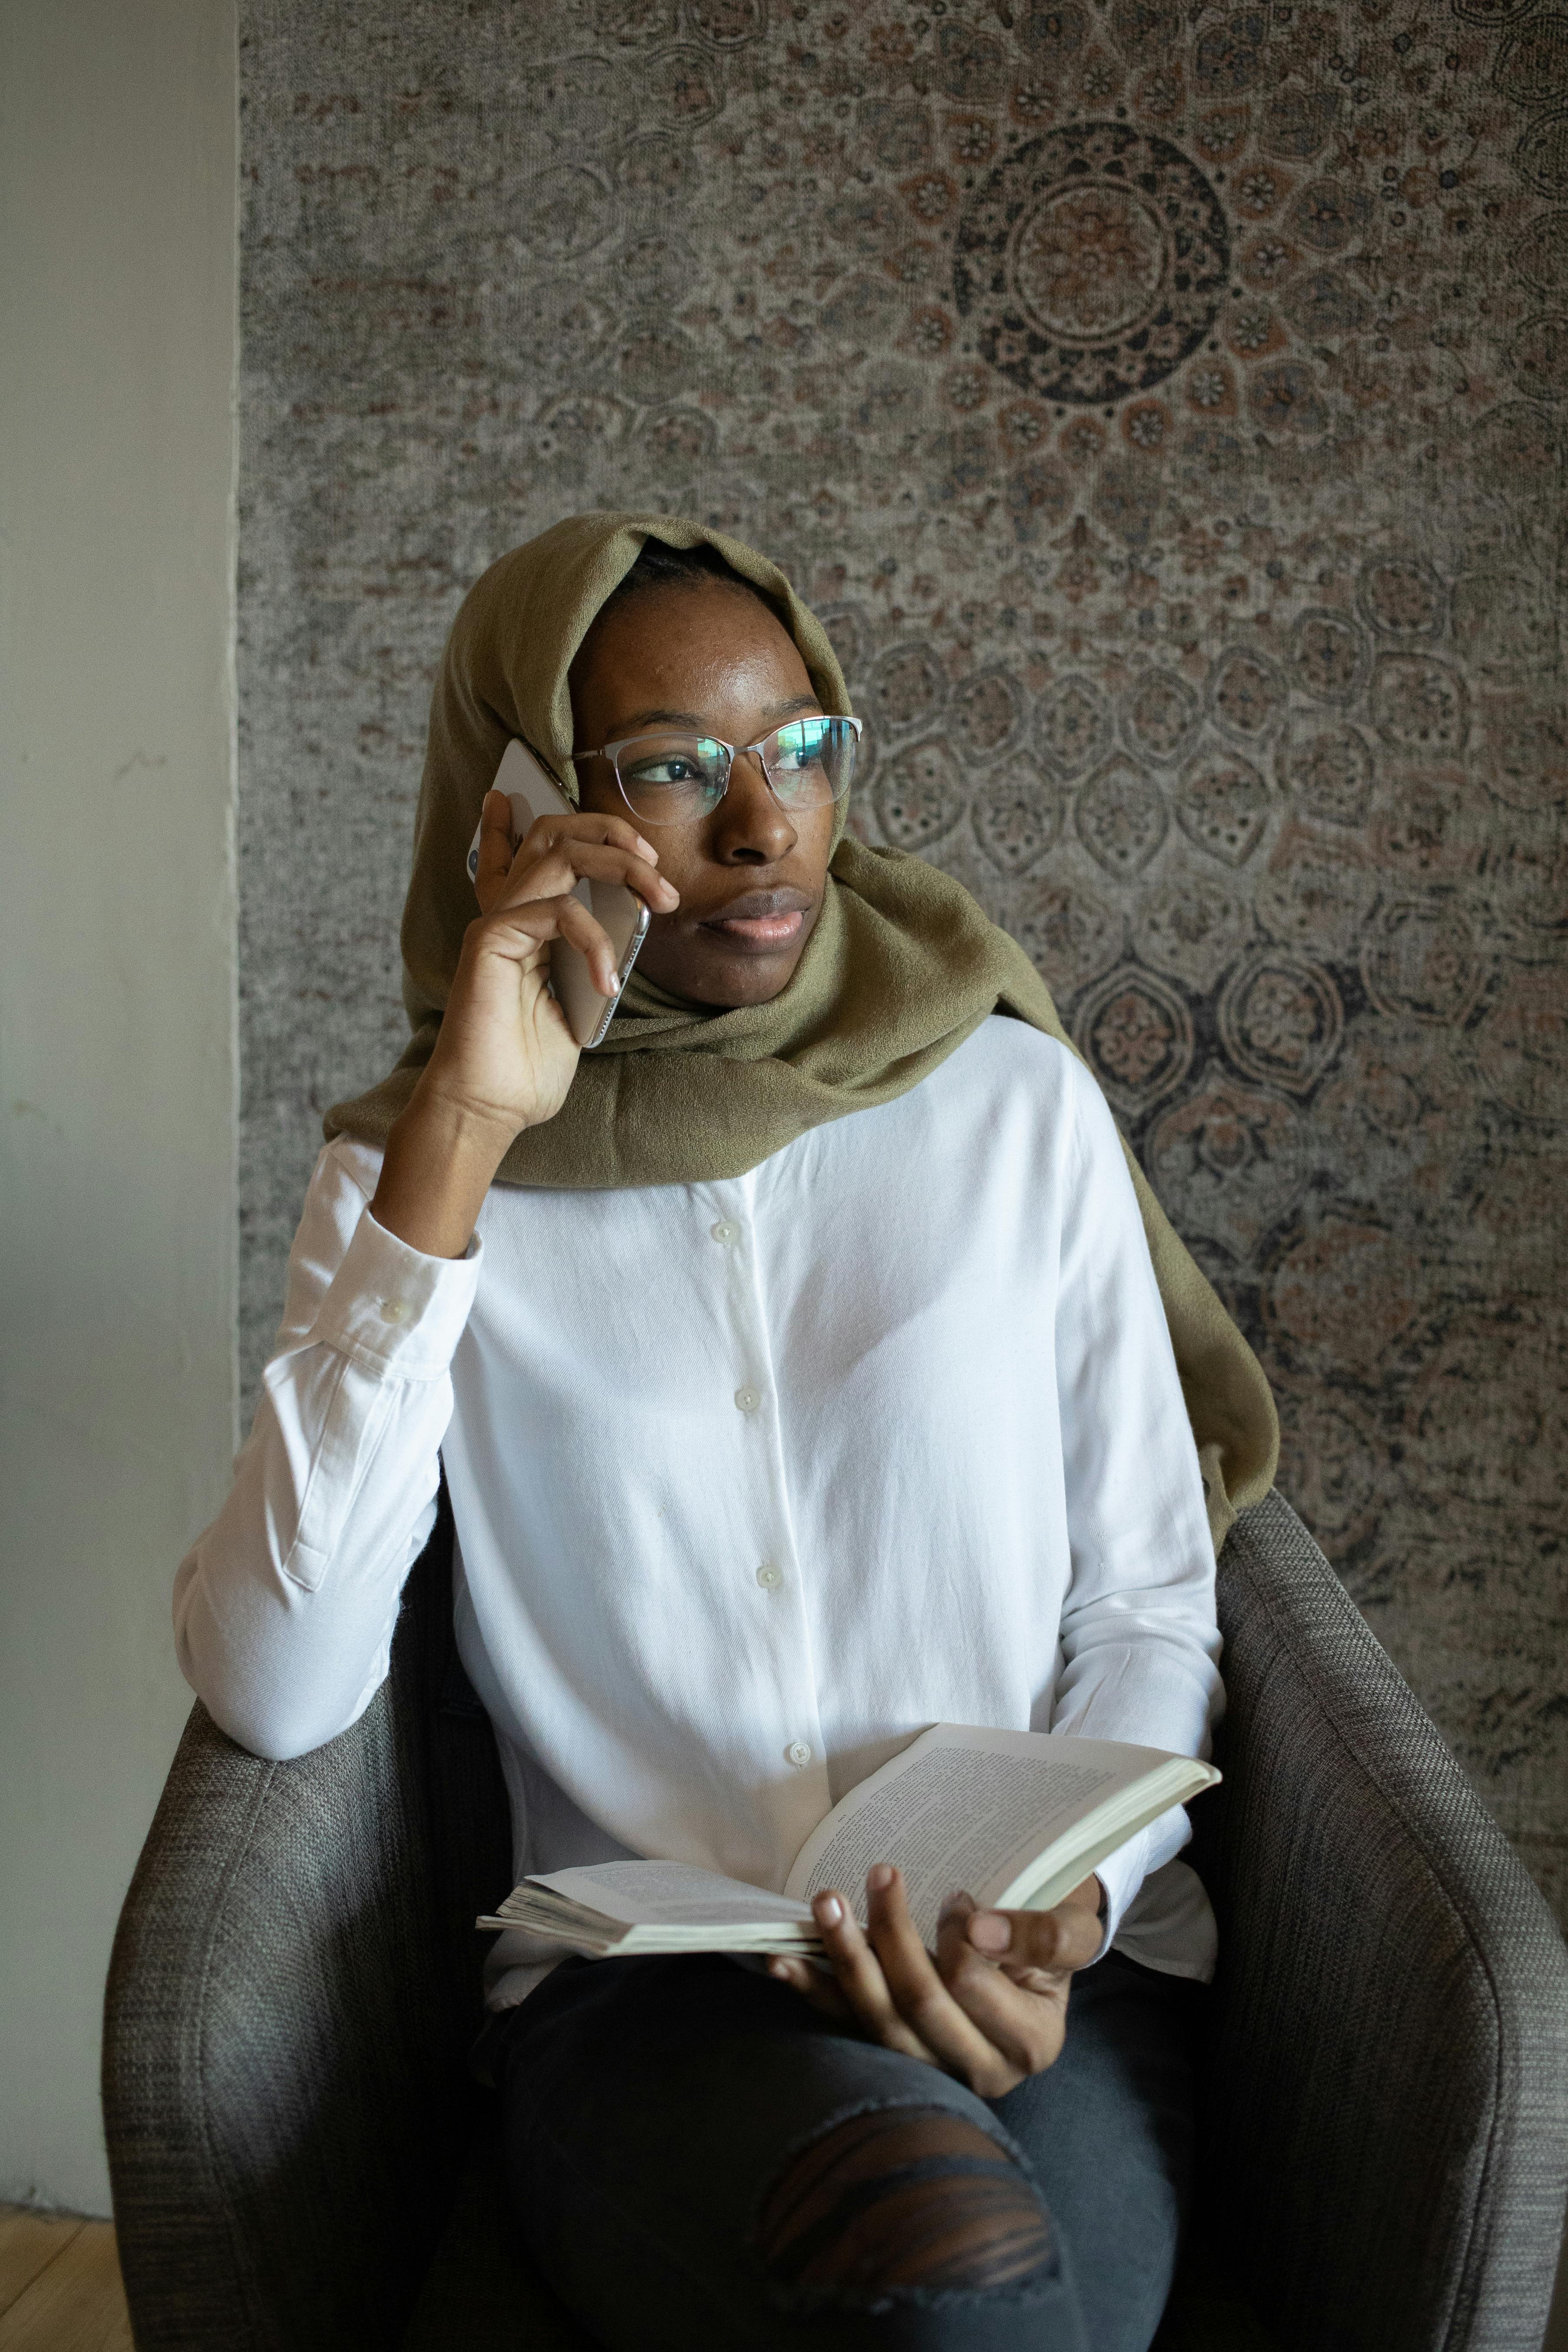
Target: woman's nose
{"type": "Point", "coordinates": [750, 823]}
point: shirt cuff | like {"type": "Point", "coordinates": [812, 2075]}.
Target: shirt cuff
{"type": "Point", "coordinates": [1121, 1874]}
{"type": "Point", "coordinates": [394, 1309]}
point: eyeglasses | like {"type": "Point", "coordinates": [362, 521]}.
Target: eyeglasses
{"type": "Point", "coordinates": [672, 778]}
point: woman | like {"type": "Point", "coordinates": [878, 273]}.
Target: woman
{"type": "Point", "coordinates": [801, 1374]}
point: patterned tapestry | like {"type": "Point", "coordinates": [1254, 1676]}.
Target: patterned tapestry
{"type": "Point", "coordinates": [1165, 404]}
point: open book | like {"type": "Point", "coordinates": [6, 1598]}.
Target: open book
{"type": "Point", "coordinates": [1016, 1818]}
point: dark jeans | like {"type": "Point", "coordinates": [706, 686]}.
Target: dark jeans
{"type": "Point", "coordinates": [651, 2104]}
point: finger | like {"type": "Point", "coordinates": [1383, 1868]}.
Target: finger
{"type": "Point", "coordinates": [569, 862]}
{"type": "Point", "coordinates": [517, 932]}
{"type": "Point", "coordinates": [1024, 2021]}
{"type": "Point", "coordinates": [585, 824]}
{"type": "Point", "coordinates": [919, 1994]}
{"type": "Point", "coordinates": [820, 1990]}
{"type": "Point", "coordinates": [582, 930]}
{"type": "Point", "coordinates": [1059, 1940]}
{"type": "Point", "coordinates": [860, 1979]}
{"type": "Point", "coordinates": [495, 848]}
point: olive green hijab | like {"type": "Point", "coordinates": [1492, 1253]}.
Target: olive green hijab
{"type": "Point", "coordinates": [901, 968]}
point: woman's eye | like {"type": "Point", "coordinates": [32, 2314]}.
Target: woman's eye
{"type": "Point", "coordinates": [671, 769]}
{"type": "Point", "coordinates": [800, 748]}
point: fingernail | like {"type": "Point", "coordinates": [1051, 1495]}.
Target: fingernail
{"type": "Point", "coordinates": [956, 1903]}
{"type": "Point", "coordinates": [649, 851]}
{"type": "Point", "coordinates": [777, 1969]}
{"type": "Point", "coordinates": [879, 1877]}
{"type": "Point", "coordinates": [828, 1909]}
{"type": "Point", "coordinates": [990, 1931]}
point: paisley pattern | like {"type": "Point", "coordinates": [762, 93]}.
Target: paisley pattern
{"type": "Point", "coordinates": [1167, 407]}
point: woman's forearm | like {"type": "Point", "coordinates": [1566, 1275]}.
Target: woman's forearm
{"type": "Point", "coordinates": [286, 1639]}
{"type": "Point", "coordinates": [439, 1163]}
{"type": "Point", "coordinates": [284, 1607]}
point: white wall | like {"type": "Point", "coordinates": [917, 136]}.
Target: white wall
{"type": "Point", "coordinates": [117, 986]}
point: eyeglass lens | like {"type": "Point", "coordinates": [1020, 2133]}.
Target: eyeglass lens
{"type": "Point", "coordinates": [671, 779]}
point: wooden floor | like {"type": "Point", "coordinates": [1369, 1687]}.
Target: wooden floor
{"type": "Point", "coordinates": [59, 2285]}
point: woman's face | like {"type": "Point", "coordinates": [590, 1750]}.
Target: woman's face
{"type": "Point", "coordinates": [750, 875]}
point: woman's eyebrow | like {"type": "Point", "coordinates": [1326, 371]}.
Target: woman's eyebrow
{"type": "Point", "coordinates": [699, 725]}
{"type": "Point", "coordinates": [796, 702]}
{"type": "Point", "coordinates": [637, 718]}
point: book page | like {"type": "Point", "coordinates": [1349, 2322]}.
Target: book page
{"type": "Point", "coordinates": [669, 1895]}
{"type": "Point", "coordinates": [963, 1807]}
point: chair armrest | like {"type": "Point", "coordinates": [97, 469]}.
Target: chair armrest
{"type": "Point", "coordinates": [1391, 2070]}
{"type": "Point", "coordinates": [279, 2080]}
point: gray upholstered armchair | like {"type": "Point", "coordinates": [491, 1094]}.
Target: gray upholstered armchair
{"type": "Point", "coordinates": [300, 2161]}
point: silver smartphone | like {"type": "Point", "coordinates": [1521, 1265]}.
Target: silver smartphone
{"type": "Point", "coordinates": [623, 914]}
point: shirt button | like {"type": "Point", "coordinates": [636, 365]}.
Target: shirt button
{"type": "Point", "coordinates": [769, 1577]}
{"type": "Point", "coordinates": [798, 1754]}
{"type": "Point", "coordinates": [725, 1232]}
{"type": "Point", "coordinates": [395, 1310]}
{"type": "Point", "coordinates": [748, 1398]}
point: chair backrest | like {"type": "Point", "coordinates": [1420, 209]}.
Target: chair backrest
{"type": "Point", "coordinates": [1388, 2151]}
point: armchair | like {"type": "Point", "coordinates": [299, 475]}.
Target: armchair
{"type": "Point", "coordinates": [298, 2160]}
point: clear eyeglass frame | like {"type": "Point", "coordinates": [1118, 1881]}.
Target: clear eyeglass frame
{"type": "Point", "coordinates": [690, 803]}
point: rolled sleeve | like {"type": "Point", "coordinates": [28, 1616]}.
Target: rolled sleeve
{"type": "Point", "coordinates": [395, 1312]}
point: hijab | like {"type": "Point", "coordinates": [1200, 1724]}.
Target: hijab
{"type": "Point", "coordinates": [901, 967]}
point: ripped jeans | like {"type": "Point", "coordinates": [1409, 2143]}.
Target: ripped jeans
{"type": "Point", "coordinates": [698, 2159]}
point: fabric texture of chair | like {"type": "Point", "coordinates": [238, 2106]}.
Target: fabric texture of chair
{"type": "Point", "coordinates": [298, 2160]}
{"type": "Point", "coordinates": [1388, 2140]}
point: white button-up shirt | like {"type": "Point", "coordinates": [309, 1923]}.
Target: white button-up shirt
{"type": "Point", "coordinates": [751, 1481]}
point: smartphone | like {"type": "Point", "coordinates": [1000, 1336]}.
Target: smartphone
{"type": "Point", "coordinates": [624, 915]}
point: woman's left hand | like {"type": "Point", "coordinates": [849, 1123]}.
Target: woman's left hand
{"type": "Point", "coordinates": [991, 2006]}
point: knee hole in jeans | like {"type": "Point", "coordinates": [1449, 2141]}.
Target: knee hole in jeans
{"type": "Point", "coordinates": [904, 2201]}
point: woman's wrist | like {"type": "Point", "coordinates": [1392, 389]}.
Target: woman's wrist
{"type": "Point", "coordinates": [439, 1162]}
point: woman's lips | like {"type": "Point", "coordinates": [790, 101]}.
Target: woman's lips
{"type": "Point", "coordinates": [764, 920]}
{"type": "Point", "coordinates": [761, 931]}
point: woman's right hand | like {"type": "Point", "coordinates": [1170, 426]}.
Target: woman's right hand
{"type": "Point", "coordinates": [505, 1055]}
